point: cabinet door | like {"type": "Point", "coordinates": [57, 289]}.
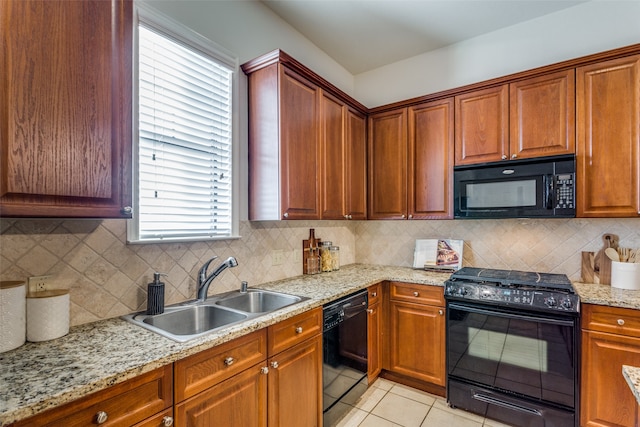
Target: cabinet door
{"type": "Point", "coordinates": [356, 163]}
{"type": "Point", "coordinates": [299, 145]}
{"type": "Point", "coordinates": [608, 144]}
{"type": "Point", "coordinates": [239, 401]}
{"type": "Point", "coordinates": [374, 349]}
{"type": "Point", "coordinates": [416, 344]}
{"type": "Point", "coordinates": [295, 386]}
{"type": "Point", "coordinates": [65, 108]}
{"type": "Point", "coordinates": [482, 126]}
{"type": "Point", "coordinates": [431, 149]}
{"type": "Point", "coordinates": [332, 143]}
{"type": "Point", "coordinates": [606, 399]}
{"type": "Point", "coordinates": [388, 165]}
{"type": "Point", "coordinates": [542, 116]}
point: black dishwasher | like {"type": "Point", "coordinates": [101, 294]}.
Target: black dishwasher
{"type": "Point", "coordinates": [344, 355]}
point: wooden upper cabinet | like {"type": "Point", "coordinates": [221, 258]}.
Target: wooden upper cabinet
{"type": "Point", "coordinates": [387, 153]}
{"type": "Point", "coordinates": [306, 147]}
{"type": "Point", "coordinates": [542, 116]}
{"type": "Point", "coordinates": [431, 147]}
{"type": "Point", "coordinates": [65, 108]}
{"type": "Point", "coordinates": [534, 117]}
{"type": "Point", "coordinates": [608, 141]}
{"type": "Point", "coordinates": [482, 125]}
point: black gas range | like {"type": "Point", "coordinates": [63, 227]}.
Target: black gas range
{"type": "Point", "coordinates": [512, 346]}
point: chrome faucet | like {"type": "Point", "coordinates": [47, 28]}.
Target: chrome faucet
{"type": "Point", "coordinates": [204, 281]}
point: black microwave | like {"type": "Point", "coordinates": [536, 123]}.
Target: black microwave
{"type": "Point", "coordinates": [529, 188]}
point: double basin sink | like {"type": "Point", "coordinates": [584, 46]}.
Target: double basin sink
{"type": "Point", "coordinates": [187, 321]}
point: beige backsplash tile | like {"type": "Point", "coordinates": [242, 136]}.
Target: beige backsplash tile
{"type": "Point", "coordinates": [108, 277]}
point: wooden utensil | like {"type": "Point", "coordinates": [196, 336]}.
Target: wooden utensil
{"type": "Point", "coordinates": [612, 254]}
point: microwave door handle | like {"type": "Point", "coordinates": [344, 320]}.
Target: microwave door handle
{"type": "Point", "coordinates": [548, 191]}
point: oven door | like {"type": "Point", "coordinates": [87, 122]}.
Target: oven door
{"type": "Point", "coordinates": [528, 355]}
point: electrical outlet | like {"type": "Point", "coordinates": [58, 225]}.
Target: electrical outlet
{"type": "Point", "coordinates": [277, 257]}
{"type": "Point", "coordinates": [39, 283]}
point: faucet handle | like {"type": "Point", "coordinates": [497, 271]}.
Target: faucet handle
{"type": "Point", "coordinates": [243, 287]}
{"type": "Point", "coordinates": [202, 273]}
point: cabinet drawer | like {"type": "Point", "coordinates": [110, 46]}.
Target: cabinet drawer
{"type": "Point", "coordinates": [123, 404]}
{"type": "Point", "coordinates": [421, 294]}
{"type": "Point", "coordinates": [622, 321]}
{"type": "Point", "coordinates": [292, 331]}
{"type": "Point", "coordinates": [375, 293]}
{"type": "Point", "coordinates": [207, 368]}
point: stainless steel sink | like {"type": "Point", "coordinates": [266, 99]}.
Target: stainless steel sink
{"type": "Point", "coordinates": [187, 321]}
{"type": "Point", "coordinates": [194, 320]}
{"type": "Point", "coordinates": [257, 301]}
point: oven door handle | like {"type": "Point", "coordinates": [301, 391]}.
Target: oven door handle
{"type": "Point", "coordinates": [511, 315]}
{"type": "Point", "coordinates": [493, 401]}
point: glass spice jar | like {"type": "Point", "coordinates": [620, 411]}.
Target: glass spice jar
{"type": "Point", "coordinates": [335, 258]}
{"type": "Point", "coordinates": [326, 263]}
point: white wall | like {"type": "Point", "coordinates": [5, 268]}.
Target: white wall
{"type": "Point", "coordinates": [591, 27]}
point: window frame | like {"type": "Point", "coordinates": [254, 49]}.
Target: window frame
{"type": "Point", "coordinates": [150, 17]}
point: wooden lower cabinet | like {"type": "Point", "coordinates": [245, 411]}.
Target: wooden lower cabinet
{"type": "Point", "coordinates": [610, 339]}
{"type": "Point", "coordinates": [416, 335]}
{"type": "Point", "coordinates": [144, 399]}
{"type": "Point", "coordinates": [374, 329]}
{"type": "Point", "coordinates": [239, 401]}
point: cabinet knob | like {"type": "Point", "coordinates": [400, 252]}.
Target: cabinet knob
{"type": "Point", "coordinates": [101, 417]}
{"type": "Point", "coordinates": [514, 156]}
{"type": "Point", "coordinates": [229, 361]}
{"type": "Point", "coordinates": [264, 370]}
{"type": "Point", "coordinates": [167, 421]}
{"type": "Point", "coordinates": [374, 294]}
{"type": "Point", "coordinates": [410, 216]}
{"type": "Point", "coordinates": [370, 310]}
{"type": "Point", "coordinates": [416, 294]}
{"type": "Point", "coordinates": [286, 214]}
{"type": "Point", "coordinates": [620, 322]}
{"type": "Point", "coordinates": [504, 157]}
{"type": "Point", "coordinates": [441, 312]}
{"type": "Point", "coordinates": [404, 216]}
{"type": "Point", "coordinates": [274, 365]}
{"type": "Point", "coordinates": [298, 329]}
{"type": "Point", "coordinates": [127, 210]}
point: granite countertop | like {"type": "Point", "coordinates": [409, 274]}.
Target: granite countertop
{"type": "Point", "coordinates": [632, 375]}
{"type": "Point", "coordinates": [94, 356]}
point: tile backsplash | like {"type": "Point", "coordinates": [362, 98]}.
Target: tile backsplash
{"type": "Point", "coordinates": [108, 277]}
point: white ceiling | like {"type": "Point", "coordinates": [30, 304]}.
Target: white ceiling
{"type": "Point", "coordinates": [362, 35]}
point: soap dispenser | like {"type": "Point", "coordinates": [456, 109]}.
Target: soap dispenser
{"type": "Point", "coordinates": [155, 295]}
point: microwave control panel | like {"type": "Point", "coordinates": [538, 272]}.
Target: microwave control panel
{"type": "Point", "coordinates": [565, 191]}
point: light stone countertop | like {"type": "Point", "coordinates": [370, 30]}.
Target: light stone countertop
{"type": "Point", "coordinates": [94, 356]}
{"type": "Point", "coordinates": [632, 375]}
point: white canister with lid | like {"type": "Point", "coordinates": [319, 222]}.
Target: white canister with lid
{"type": "Point", "coordinates": [12, 314]}
{"type": "Point", "coordinates": [625, 275]}
{"type": "Point", "coordinates": [47, 315]}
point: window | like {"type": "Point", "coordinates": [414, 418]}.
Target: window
{"type": "Point", "coordinates": [183, 182]}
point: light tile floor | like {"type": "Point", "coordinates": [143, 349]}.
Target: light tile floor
{"type": "Point", "coordinates": [388, 404]}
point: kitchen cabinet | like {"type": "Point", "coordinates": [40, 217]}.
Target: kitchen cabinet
{"type": "Point", "coordinates": [529, 118]}
{"type": "Point", "coordinates": [66, 108]}
{"type": "Point", "coordinates": [145, 399]}
{"type": "Point", "coordinates": [608, 141]}
{"type": "Point", "coordinates": [610, 339]}
{"type": "Point", "coordinates": [343, 156]}
{"type": "Point", "coordinates": [416, 333]}
{"type": "Point", "coordinates": [411, 162]}
{"type": "Point", "coordinates": [255, 379]}
{"type": "Point", "coordinates": [306, 158]}
{"type": "Point", "coordinates": [374, 331]}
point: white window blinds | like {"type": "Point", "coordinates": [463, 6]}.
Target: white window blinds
{"type": "Point", "coordinates": [184, 172]}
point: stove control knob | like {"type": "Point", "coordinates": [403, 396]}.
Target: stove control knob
{"type": "Point", "coordinates": [463, 291]}
{"type": "Point", "coordinates": [551, 301]}
{"type": "Point", "coordinates": [566, 303]}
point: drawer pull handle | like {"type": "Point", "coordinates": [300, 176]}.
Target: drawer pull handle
{"type": "Point", "coordinates": [264, 370]}
{"type": "Point", "coordinates": [620, 322]}
{"type": "Point", "coordinates": [441, 312]}
{"type": "Point", "coordinates": [167, 421]}
{"type": "Point", "coordinates": [274, 365]}
{"type": "Point", "coordinates": [229, 361]}
{"type": "Point", "coordinates": [101, 417]}
{"type": "Point", "coordinates": [416, 294]}
{"type": "Point", "coordinates": [298, 329]}
{"type": "Point", "coordinates": [370, 310]}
